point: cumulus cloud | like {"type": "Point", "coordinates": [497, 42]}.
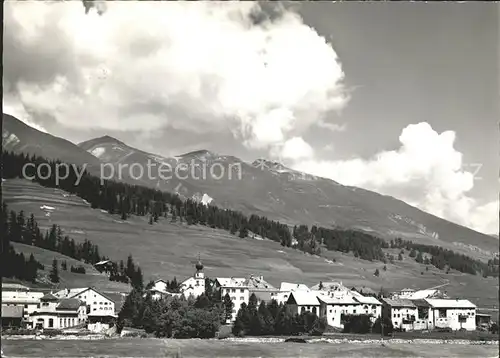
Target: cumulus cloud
{"type": "Point", "coordinates": [198, 66]}
{"type": "Point", "coordinates": [426, 171]}
{"type": "Point", "coordinates": [296, 148]}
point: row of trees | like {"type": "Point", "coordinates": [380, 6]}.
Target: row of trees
{"type": "Point", "coordinates": [15, 265]}
{"type": "Point", "coordinates": [442, 258]}
{"type": "Point", "coordinates": [275, 319]}
{"type": "Point", "coordinates": [16, 228]}
{"type": "Point", "coordinates": [362, 323]}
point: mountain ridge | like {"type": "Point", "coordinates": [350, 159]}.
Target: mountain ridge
{"type": "Point", "coordinates": [292, 197]}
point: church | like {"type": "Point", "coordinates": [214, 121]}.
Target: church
{"type": "Point", "coordinates": [192, 286]}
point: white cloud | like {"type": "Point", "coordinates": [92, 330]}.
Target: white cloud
{"type": "Point", "coordinates": [16, 108]}
{"type": "Point", "coordinates": [203, 66]}
{"type": "Point", "coordinates": [426, 171]}
{"type": "Point", "coordinates": [296, 148]}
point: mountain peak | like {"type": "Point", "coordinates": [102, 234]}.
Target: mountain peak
{"type": "Point", "coordinates": [101, 140]}
{"type": "Point", "coordinates": [200, 154]}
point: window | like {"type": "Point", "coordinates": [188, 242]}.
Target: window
{"type": "Point", "coordinates": [233, 298]}
{"type": "Point", "coordinates": [233, 290]}
{"type": "Point", "coordinates": [442, 313]}
{"type": "Point", "coordinates": [51, 322]}
{"type": "Point", "coordinates": [234, 311]}
{"type": "Point", "coordinates": [95, 303]}
{"type": "Point", "coordinates": [354, 311]}
{"type": "Point", "coordinates": [94, 309]}
{"type": "Point", "coordinates": [25, 306]}
{"type": "Point", "coordinates": [242, 290]}
{"type": "Point", "coordinates": [242, 298]}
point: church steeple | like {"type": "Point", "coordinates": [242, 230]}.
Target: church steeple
{"type": "Point", "coordinates": [199, 265]}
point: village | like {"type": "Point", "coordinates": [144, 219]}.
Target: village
{"type": "Point", "coordinates": [86, 307]}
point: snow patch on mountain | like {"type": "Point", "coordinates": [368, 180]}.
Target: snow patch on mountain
{"type": "Point", "coordinates": [205, 199]}
{"type": "Point", "coordinates": [9, 139]}
{"type": "Point", "coordinates": [98, 151]}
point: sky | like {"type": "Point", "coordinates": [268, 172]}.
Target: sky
{"type": "Point", "coordinates": [399, 98]}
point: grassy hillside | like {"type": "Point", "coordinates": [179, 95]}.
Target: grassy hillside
{"type": "Point", "coordinates": [69, 279]}
{"type": "Point", "coordinates": [168, 249]}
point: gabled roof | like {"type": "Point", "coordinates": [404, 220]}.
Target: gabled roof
{"type": "Point", "coordinates": [49, 297]}
{"type": "Point", "coordinates": [12, 311]}
{"type": "Point", "coordinates": [287, 286]}
{"type": "Point", "coordinates": [14, 286]}
{"type": "Point", "coordinates": [231, 281]}
{"type": "Point", "coordinates": [369, 300]}
{"type": "Point", "coordinates": [398, 302]}
{"type": "Point", "coordinates": [421, 303]}
{"type": "Point", "coordinates": [365, 290]}
{"type": "Point", "coordinates": [343, 300]}
{"type": "Point", "coordinates": [302, 298]}
{"type": "Point", "coordinates": [69, 304]}
{"type": "Point", "coordinates": [329, 286]}
{"type": "Point", "coordinates": [73, 292]}
{"type": "Point", "coordinates": [449, 303]}
{"type": "Point", "coordinates": [256, 282]}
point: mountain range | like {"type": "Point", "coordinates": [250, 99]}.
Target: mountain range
{"type": "Point", "coordinates": [261, 187]}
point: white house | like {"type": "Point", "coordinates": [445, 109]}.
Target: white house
{"type": "Point", "coordinates": [237, 290]}
{"type": "Point", "coordinates": [262, 289]}
{"type": "Point", "coordinates": [97, 303]}
{"type": "Point", "coordinates": [455, 314]}
{"type": "Point", "coordinates": [286, 288]}
{"type": "Point", "coordinates": [333, 308]}
{"type": "Point", "coordinates": [16, 295]}
{"type": "Point", "coordinates": [303, 301]}
{"type": "Point", "coordinates": [368, 305]}
{"type": "Point", "coordinates": [402, 312]}
{"type": "Point", "coordinates": [160, 290]}
{"type": "Point", "coordinates": [55, 313]}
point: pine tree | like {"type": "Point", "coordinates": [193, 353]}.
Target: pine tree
{"type": "Point", "coordinates": [228, 307]}
{"type": "Point", "coordinates": [54, 273]}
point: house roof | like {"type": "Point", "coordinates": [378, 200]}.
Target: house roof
{"type": "Point", "coordinates": [14, 286]}
{"type": "Point", "coordinates": [49, 297]}
{"type": "Point", "coordinates": [329, 286]}
{"type": "Point", "coordinates": [369, 300]}
{"type": "Point", "coordinates": [421, 303]}
{"type": "Point", "coordinates": [71, 293]}
{"type": "Point", "coordinates": [69, 304]}
{"type": "Point", "coordinates": [364, 290]}
{"type": "Point", "coordinates": [399, 302]}
{"type": "Point", "coordinates": [287, 286]}
{"type": "Point", "coordinates": [12, 311]}
{"type": "Point", "coordinates": [256, 282]}
{"type": "Point", "coordinates": [231, 281]}
{"type": "Point", "coordinates": [449, 303]}
{"type": "Point", "coordinates": [424, 294]}
{"type": "Point", "coordinates": [304, 298]}
{"type": "Point", "coordinates": [344, 300]}
{"type": "Point", "coordinates": [102, 262]}
{"type": "Point", "coordinates": [68, 293]}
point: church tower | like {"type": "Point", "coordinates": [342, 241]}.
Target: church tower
{"type": "Point", "coordinates": [199, 277]}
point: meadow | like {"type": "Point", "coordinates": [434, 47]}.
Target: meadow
{"type": "Point", "coordinates": [167, 250]}
{"type": "Point", "coordinates": [217, 348]}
